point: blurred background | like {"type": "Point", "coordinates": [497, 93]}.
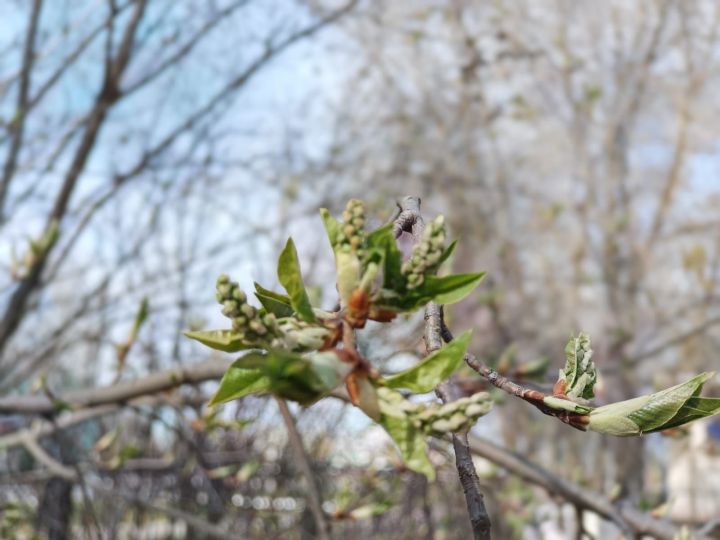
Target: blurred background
{"type": "Point", "coordinates": [146, 146]}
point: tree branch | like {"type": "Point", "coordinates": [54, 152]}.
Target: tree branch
{"type": "Point", "coordinates": [117, 393]}
{"type": "Point", "coordinates": [627, 518]}
{"type": "Point", "coordinates": [410, 220]}
{"type": "Point", "coordinates": [314, 499]}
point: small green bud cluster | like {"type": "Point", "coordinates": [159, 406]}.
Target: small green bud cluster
{"type": "Point", "coordinates": [351, 237]}
{"type": "Point", "coordinates": [246, 319]}
{"type": "Point", "coordinates": [297, 334]}
{"type": "Point", "coordinates": [455, 416]}
{"type": "Point", "coordinates": [426, 255]}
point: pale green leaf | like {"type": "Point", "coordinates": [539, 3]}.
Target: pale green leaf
{"type": "Point", "coordinates": [433, 369]}
{"type": "Point", "coordinates": [332, 226]}
{"type": "Point", "coordinates": [291, 278]}
{"type": "Point", "coordinates": [238, 382]}
{"type": "Point", "coordinates": [221, 340]}
{"type": "Point", "coordinates": [275, 303]}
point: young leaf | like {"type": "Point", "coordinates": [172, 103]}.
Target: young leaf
{"type": "Point", "coordinates": [221, 340]}
{"type": "Point", "coordinates": [332, 226]}
{"type": "Point", "coordinates": [383, 240]}
{"type": "Point", "coordinates": [662, 410]}
{"type": "Point", "coordinates": [450, 289]}
{"type": "Point", "coordinates": [275, 303]}
{"type": "Point", "coordinates": [304, 379]}
{"type": "Point", "coordinates": [448, 252]}
{"type": "Point", "coordinates": [579, 375]}
{"type": "Point", "coordinates": [432, 370]}
{"type": "Point", "coordinates": [443, 290]}
{"type": "Point", "coordinates": [238, 382]}
{"type": "Point", "coordinates": [291, 278]}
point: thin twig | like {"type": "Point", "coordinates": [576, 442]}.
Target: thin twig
{"type": "Point", "coordinates": [322, 524]}
{"type": "Point", "coordinates": [532, 396]}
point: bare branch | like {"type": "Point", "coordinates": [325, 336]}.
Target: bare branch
{"type": "Point", "coordinates": [17, 127]}
{"type": "Point", "coordinates": [314, 499]}
{"type": "Point", "coordinates": [410, 220]}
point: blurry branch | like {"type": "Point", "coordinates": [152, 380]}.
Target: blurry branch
{"type": "Point", "coordinates": [118, 393]}
{"type": "Point", "coordinates": [240, 80]}
{"type": "Point", "coordinates": [627, 518]}
{"type": "Point", "coordinates": [185, 49]}
{"type": "Point", "coordinates": [110, 94]}
{"type": "Point", "coordinates": [675, 340]}
{"type": "Point", "coordinates": [199, 525]}
{"type": "Point", "coordinates": [17, 438]}
{"type": "Point", "coordinates": [57, 469]}
{"type": "Point", "coordinates": [322, 525]}
{"type": "Point", "coordinates": [17, 126]}
{"type": "Point", "coordinates": [29, 440]}
{"type": "Point", "coordinates": [106, 98]}
{"type": "Point", "coordinates": [410, 220]}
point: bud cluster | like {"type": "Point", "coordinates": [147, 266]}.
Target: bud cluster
{"type": "Point", "coordinates": [246, 319]}
{"type": "Point", "coordinates": [426, 255]}
{"type": "Point", "coordinates": [297, 334]}
{"type": "Point", "coordinates": [460, 415]}
{"type": "Point", "coordinates": [351, 237]}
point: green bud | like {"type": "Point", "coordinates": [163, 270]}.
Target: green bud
{"type": "Point", "coordinates": [457, 421]}
{"type": "Point", "coordinates": [248, 311]}
{"type": "Point", "coordinates": [239, 295]}
{"type": "Point", "coordinates": [230, 308]}
{"type": "Point", "coordinates": [257, 327]}
{"type": "Point", "coordinates": [224, 290]}
{"type": "Point", "coordinates": [222, 279]}
{"type": "Point", "coordinates": [475, 410]}
{"type": "Point", "coordinates": [441, 426]}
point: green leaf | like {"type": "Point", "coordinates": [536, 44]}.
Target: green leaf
{"type": "Point", "coordinates": [332, 226]}
{"type": "Point", "coordinates": [275, 303]}
{"type": "Point", "coordinates": [432, 370]}
{"type": "Point", "coordinates": [662, 410]}
{"type": "Point", "coordinates": [409, 439]}
{"type": "Point", "coordinates": [443, 290]}
{"type": "Point", "coordinates": [384, 240]}
{"type": "Point", "coordinates": [301, 378]}
{"type": "Point", "coordinates": [450, 289]}
{"type": "Point", "coordinates": [448, 252]}
{"type": "Point", "coordinates": [291, 278]}
{"type": "Point", "coordinates": [239, 381]}
{"type": "Point", "coordinates": [694, 409]}
{"type": "Point", "coordinates": [221, 340]}
{"type": "Point", "coordinates": [663, 406]}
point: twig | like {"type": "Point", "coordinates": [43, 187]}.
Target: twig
{"type": "Point", "coordinates": [322, 525]}
{"type": "Point", "coordinates": [410, 220]}
{"type": "Point", "coordinates": [532, 396]}
{"type": "Point", "coordinates": [119, 393]}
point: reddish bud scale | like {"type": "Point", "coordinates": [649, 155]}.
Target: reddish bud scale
{"type": "Point", "coordinates": [358, 307]}
{"type": "Point", "coordinates": [559, 388]}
